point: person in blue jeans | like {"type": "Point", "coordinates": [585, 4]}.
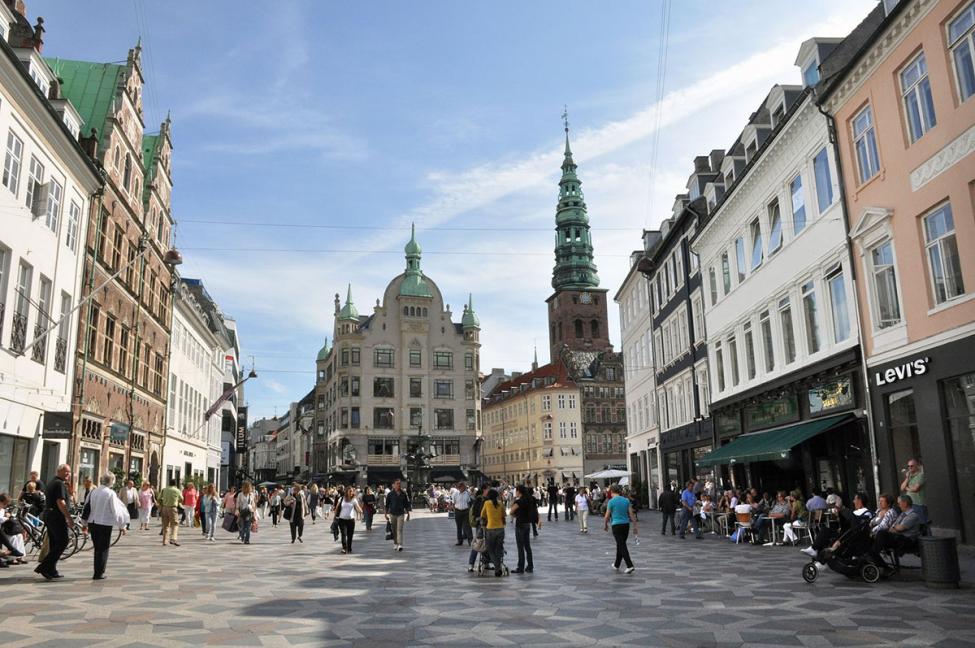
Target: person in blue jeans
{"type": "Point", "coordinates": [687, 501]}
{"type": "Point", "coordinates": [619, 515]}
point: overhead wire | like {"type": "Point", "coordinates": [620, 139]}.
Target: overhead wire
{"type": "Point", "coordinates": [662, 51]}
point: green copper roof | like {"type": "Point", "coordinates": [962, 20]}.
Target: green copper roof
{"type": "Point", "coordinates": [91, 88]}
{"type": "Point", "coordinates": [574, 267]}
{"type": "Point", "coordinates": [470, 318]}
{"type": "Point", "coordinates": [323, 353]}
{"type": "Point", "coordinates": [150, 146]}
{"type": "Point", "coordinates": [414, 285]}
{"type": "Point", "coordinates": [348, 311]}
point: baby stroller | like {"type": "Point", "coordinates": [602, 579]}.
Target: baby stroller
{"type": "Point", "coordinates": [851, 558]}
{"type": "Point", "coordinates": [484, 565]}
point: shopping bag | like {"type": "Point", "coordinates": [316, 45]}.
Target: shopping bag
{"type": "Point", "coordinates": [287, 512]}
{"type": "Point", "coordinates": [230, 522]}
{"type": "Point", "coordinates": [389, 530]}
{"type": "Point", "coordinates": [254, 526]}
{"type": "Point", "coordinates": [45, 549]}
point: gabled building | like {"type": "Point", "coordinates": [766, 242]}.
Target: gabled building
{"type": "Point", "coordinates": [402, 378]}
{"type": "Point", "coordinates": [48, 185]}
{"type": "Point", "coordinates": [121, 366]}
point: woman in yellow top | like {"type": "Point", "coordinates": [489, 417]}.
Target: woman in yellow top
{"type": "Point", "coordinates": [492, 514]}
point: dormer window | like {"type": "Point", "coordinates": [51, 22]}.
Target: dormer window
{"type": "Point", "coordinates": [39, 79]}
{"type": "Point", "coordinates": [810, 73]}
{"type": "Point", "coordinates": [750, 151]}
{"type": "Point", "coordinates": [778, 116]}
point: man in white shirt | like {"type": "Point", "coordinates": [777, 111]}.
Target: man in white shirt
{"type": "Point", "coordinates": [462, 502]}
{"type": "Point", "coordinates": [103, 512]}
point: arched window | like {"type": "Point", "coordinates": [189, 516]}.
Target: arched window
{"type": "Point", "coordinates": [127, 173]}
{"type": "Point", "coordinates": [594, 326]}
{"type": "Point", "coordinates": [560, 331]}
{"type": "Point", "coordinates": [424, 312]}
{"type": "Point", "coordinates": [116, 157]}
{"type": "Point", "coordinates": [406, 311]}
{"type": "Point", "coordinates": [578, 327]}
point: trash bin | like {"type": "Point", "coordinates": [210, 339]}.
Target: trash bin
{"type": "Point", "coordinates": [939, 561]}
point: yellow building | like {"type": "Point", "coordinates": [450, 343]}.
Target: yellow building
{"type": "Point", "coordinates": [532, 428]}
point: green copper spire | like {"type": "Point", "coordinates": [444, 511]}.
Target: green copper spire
{"type": "Point", "coordinates": [348, 311]}
{"type": "Point", "coordinates": [414, 285]}
{"type": "Point", "coordinates": [324, 351]}
{"type": "Point", "coordinates": [574, 267]}
{"type": "Point", "coordinates": [470, 319]}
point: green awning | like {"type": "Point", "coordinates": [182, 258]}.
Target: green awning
{"type": "Point", "coordinates": [771, 445]}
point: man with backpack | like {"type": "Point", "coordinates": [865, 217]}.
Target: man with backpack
{"type": "Point", "coordinates": [569, 498]}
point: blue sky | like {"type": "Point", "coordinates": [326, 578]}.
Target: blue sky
{"type": "Point", "coordinates": [381, 113]}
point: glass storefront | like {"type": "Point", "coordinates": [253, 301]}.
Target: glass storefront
{"type": "Point", "coordinates": [959, 404]}
{"type": "Point", "coordinates": [135, 465]}
{"type": "Point", "coordinates": [88, 466]}
{"type": "Point", "coordinates": [902, 417]}
{"type": "Point", "coordinates": [14, 463]}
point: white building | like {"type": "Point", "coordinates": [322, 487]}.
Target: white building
{"type": "Point", "coordinates": [778, 309]}
{"type": "Point", "coordinates": [196, 381]}
{"type": "Point", "coordinates": [47, 184]}
{"type": "Point", "coordinates": [636, 330]}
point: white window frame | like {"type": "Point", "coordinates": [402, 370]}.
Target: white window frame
{"type": "Point", "coordinates": [964, 39]}
{"type": "Point", "coordinates": [757, 244]}
{"type": "Point", "coordinates": [55, 195]}
{"type": "Point", "coordinates": [811, 321]}
{"type": "Point", "coordinates": [13, 162]}
{"type": "Point", "coordinates": [868, 160]}
{"type": "Point", "coordinates": [35, 181]}
{"type": "Point", "coordinates": [74, 221]}
{"type": "Point", "coordinates": [774, 217]}
{"type": "Point", "coordinates": [913, 93]}
{"type": "Point", "coordinates": [940, 242]}
{"type": "Point", "coordinates": [878, 322]}
{"type": "Point", "coordinates": [802, 204]}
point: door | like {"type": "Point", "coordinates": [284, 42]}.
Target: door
{"type": "Point", "coordinates": [50, 456]}
{"type": "Point", "coordinates": [959, 403]}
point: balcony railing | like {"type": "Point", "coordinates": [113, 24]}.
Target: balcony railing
{"type": "Point", "coordinates": [382, 460]}
{"type": "Point", "coordinates": [18, 333]}
{"type": "Point", "coordinates": [39, 350]}
{"type": "Point", "coordinates": [60, 354]}
{"type": "Point", "coordinates": [445, 460]}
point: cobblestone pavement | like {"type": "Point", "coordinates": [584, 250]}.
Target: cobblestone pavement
{"type": "Point", "coordinates": [684, 593]}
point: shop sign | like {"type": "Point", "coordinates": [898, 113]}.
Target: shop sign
{"type": "Point", "coordinates": [225, 453]}
{"type": "Point", "coordinates": [57, 425]}
{"type": "Point", "coordinates": [771, 413]}
{"type": "Point", "coordinates": [119, 433]}
{"type": "Point", "coordinates": [727, 424]}
{"type": "Point", "coordinates": [909, 369]}
{"type": "Point", "coordinates": [241, 440]}
{"type": "Point", "coordinates": [831, 396]}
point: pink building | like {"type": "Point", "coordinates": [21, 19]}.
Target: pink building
{"type": "Point", "coordinates": [901, 91]}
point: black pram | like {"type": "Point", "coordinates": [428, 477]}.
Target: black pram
{"type": "Point", "coordinates": [851, 558]}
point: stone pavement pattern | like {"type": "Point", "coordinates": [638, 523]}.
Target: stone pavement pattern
{"type": "Point", "coordinates": [684, 594]}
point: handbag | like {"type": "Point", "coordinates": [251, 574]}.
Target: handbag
{"type": "Point", "coordinates": [389, 530]}
{"type": "Point", "coordinates": [288, 510]}
{"type": "Point", "coordinates": [229, 522]}
{"type": "Point", "coordinates": [480, 542]}
{"type": "Point", "coordinates": [254, 526]}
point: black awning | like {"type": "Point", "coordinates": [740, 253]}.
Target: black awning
{"type": "Point", "coordinates": [447, 473]}
{"type": "Point", "coordinates": [383, 475]}
{"type": "Point", "coordinates": [343, 476]}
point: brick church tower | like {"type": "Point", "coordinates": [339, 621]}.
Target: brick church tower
{"type": "Point", "coordinates": [577, 309]}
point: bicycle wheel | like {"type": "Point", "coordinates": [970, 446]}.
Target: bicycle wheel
{"type": "Point", "coordinates": [75, 543]}
{"type": "Point", "coordinates": [118, 534]}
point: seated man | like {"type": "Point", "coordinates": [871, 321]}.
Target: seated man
{"type": "Point", "coordinates": [780, 511]}
{"type": "Point", "coordinates": [901, 536]}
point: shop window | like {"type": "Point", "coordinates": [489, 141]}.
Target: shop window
{"type": "Point", "coordinates": [902, 424]}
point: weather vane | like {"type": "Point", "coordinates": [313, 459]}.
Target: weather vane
{"type": "Point", "coordinates": [565, 117]}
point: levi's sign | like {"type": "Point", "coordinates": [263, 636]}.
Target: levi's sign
{"type": "Point", "coordinates": [911, 368]}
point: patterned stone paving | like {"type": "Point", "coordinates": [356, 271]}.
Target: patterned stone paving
{"type": "Point", "coordinates": [690, 593]}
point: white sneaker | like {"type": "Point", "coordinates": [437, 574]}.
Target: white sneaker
{"type": "Point", "coordinates": [395, 547]}
{"type": "Point", "coordinates": [820, 566]}
{"type": "Point", "coordinates": [399, 548]}
{"type": "Point", "coordinates": [615, 568]}
{"type": "Point", "coordinates": [809, 551]}
{"type": "Point", "coordinates": [629, 570]}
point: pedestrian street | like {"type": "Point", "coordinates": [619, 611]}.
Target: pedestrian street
{"type": "Point", "coordinates": [684, 593]}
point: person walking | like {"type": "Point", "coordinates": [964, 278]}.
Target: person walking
{"type": "Point", "coordinates": [275, 500]}
{"type": "Point", "coordinates": [474, 518]}
{"type": "Point", "coordinates": [313, 502]}
{"type": "Point", "coordinates": [130, 498]}
{"type": "Point", "coordinates": [368, 507]}
{"type": "Point", "coordinates": [524, 512]}
{"type": "Point", "coordinates": [398, 510]}
{"type": "Point", "coordinates": [103, 512]}
{"type": "Point", "coordinates": [246, 506]}
{"type": "Point", "coordinates": [553, 501]}
{"type": "Point", "coordinates": [492, 518]}
{"type": "Point", "coordinates": [687, 501]}
{"type": "Point", "coordinates": [57, 520]}
{"type": "Point", "coordinates": [209, 508]}
{"type": "Point", "coordinates": [346, 512]}
{"type": "Point", "coordinates": [169, 501]}
{"type": "Point", "coordinates": [619, 514]}
{"type": "Point", "coordinates": [582, 508]}
{"type": "Point", "coordinates": [667, 503]}
{"type": "Point", "coordinates": [189, 502]}
{"type": "Point", "coordinates": [296, 505]}
{"type": "Point", "coordinates": [569, 497]}
{"type": "Point", "coordinates": [147, 499]}
{"type": "Point", "coordinates": [462, 501]}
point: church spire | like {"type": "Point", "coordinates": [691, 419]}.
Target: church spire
{"type": "Point", "coordinates": [574, 266]}
{"type": "Point", "coordinates": [414, 285]}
